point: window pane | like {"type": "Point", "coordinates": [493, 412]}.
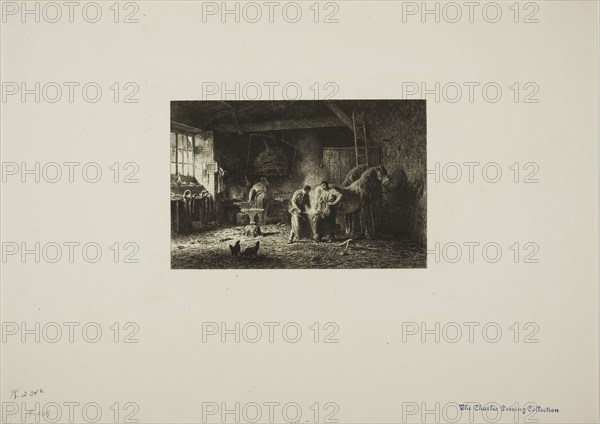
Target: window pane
{"type": "Point", "coordinates": [182, 152]}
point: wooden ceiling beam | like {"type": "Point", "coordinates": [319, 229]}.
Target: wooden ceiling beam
{"type": "Point", "coordinates": [340, 114]}
{"type": "Point", "coordinates": [234, 117]}
{"type": "Point", "coordinates": [288, 124]}
{"type": "Point", "coordinates": [184, 129]}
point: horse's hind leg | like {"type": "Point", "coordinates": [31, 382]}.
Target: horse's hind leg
{"type": "Point", "coordinates": [371, 220]}
{"type": "Point", "coordinates": [364, 218]}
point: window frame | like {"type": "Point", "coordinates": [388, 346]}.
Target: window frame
{"type": "Point", "coordinates": [185, 158]}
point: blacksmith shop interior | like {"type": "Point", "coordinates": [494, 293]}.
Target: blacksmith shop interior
{"type": "Point", "coordinates": [235, 166]}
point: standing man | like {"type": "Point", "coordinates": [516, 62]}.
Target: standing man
{"type": "Point", "coordinates": [300, 201]}
{"type": "Point", "coordinates": [329, 198]}
{"type": "Point", "coordinates": [258, 194]}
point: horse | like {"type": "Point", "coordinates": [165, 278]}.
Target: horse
{"type": "Point", "coordinates": [356, 197]}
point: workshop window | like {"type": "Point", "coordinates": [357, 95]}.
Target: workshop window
{"type": "Point", "coordinates": [182, 154]}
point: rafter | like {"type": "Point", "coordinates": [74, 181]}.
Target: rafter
{"type": "Point", "coordinates": [289, 124]}
{"type": "Point", "coordinates": [185, 129]}
{"type": "Point", "coordinates": [340, 114]}
{"type": "Point", "coordinates": [234, 117]}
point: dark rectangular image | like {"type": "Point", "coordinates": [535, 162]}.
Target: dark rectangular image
{"type": "Point", "coordinates": [298, 184]}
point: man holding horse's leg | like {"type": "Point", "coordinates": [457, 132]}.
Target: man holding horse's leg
{"type": "Point", "coordinates": [328, 201]}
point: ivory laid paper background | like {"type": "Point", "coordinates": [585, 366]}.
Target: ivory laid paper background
{"type": "Point", "coordinates": [378, 370]}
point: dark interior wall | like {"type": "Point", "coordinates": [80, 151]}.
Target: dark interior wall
{"type": "Point", "coordinates": [400, 128]}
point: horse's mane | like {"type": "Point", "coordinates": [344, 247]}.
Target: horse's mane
{"type": "Point", "coordinates": [354, 175]}
{"type": "Point", "coordinates": [368, 181]}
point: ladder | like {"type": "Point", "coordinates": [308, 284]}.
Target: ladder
{"type": "Point", "coordinates": [360, 139]}
{"type": "Point", "coordinates": [361, 148]}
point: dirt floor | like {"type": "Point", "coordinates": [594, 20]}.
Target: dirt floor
{"type": "Point", "coordinates": [210, 250]}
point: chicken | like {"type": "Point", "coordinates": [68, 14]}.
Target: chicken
{"type": "Point", "coordinates": [235, 249]}
{"type": "Point", "coordinates": [251, 251]}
